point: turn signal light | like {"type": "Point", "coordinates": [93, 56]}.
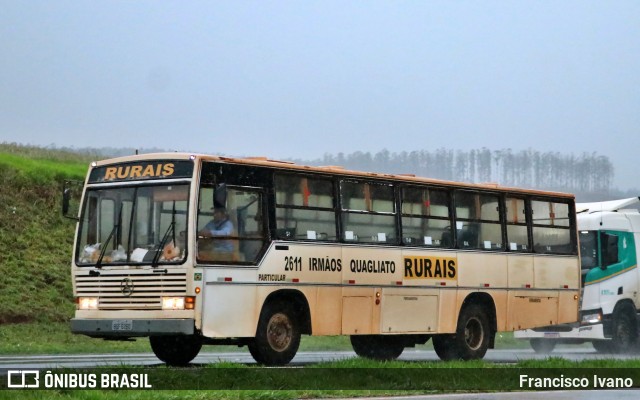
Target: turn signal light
{"type": "Point", "coordinates": [189, 302]}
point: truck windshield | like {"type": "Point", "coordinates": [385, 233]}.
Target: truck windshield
{"type": "Point", "coordinates": [133, 225]}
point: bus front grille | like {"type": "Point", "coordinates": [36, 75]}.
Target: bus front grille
{"type": "Point", "coordinates": [130, 290]}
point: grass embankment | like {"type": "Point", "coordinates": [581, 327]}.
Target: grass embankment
{"type": "Point", "coordinates": [36, 239]}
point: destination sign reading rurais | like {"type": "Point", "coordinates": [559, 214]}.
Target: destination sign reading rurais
{"type": "Point", "coordinates": [430, 267]}
{"type": "Point", "coordinates": [142, 170]}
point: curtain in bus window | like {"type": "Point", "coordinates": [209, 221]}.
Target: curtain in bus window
{"type": "Point", "coordinates": [551, 232]}
{"type": "Point", "coordinates": [304, 208]}
{"type": "Point", "coordinates": [478, 221]}
{"type": "Point", "coordinates": [517, 232]}
{"type": "Point", "coordinates": [425, 217]}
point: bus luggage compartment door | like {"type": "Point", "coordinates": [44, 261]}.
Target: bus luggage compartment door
{"type": "Point", "coordinates": [530, 310]}
{"type": "Point", "coordinates": [409, 313]}
{"type": "Point", "coordinates": [360, 313]}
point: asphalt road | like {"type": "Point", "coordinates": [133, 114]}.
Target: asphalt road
{"type": "Point", "coordinates": [302, 358]}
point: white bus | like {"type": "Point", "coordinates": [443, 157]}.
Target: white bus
{"type": "Point", "coordinates": [609, 234]}
{"type": "Point", "coordinates": [391, 260]}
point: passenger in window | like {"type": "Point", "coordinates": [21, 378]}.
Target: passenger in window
{"type": "Point", "coordinates": [220, 225]}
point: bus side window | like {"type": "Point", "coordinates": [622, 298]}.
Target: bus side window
{"type": "Point", "coordinates": [243, 209]}
{"type": "Point", "coordinates": [304, 208]}
{"type": "Point", "coordinates": [551, 227]}
{"type": "Point", "coordinates": [368, 212]}
{"type": "Point", "coordinates": [426, 219]}
{"type": "Point", "coordinates": [478, 221]}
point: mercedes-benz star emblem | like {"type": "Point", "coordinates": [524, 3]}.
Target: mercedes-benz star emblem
{"type": "Point", "coordinates": [126, 287]}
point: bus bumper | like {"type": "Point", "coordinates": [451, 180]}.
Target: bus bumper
{"type": "Point", "coordinates": [132, 327]}
{"type": "Point", "coordinates": [584, 332]}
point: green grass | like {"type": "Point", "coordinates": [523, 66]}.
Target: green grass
{"type": "Point", "coordinates": [432, 377]}
{"type": "Point", "coordinates": [35, 257]}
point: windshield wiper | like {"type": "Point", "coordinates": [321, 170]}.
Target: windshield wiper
{"type": "Point", "coordinates": [103, 250]}
{"type": "Point", "coordinates": [160, 247]}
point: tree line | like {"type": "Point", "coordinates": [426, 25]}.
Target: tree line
{"type": "Point", "coordinates": [585, 173]}
{"type": "Point", "coordinates": [589, 175]}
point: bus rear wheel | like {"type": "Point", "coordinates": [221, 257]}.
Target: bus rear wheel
{"type": "Point", "coordinates": [176, 350]}
{"type": "Point", "coordinates": [278, 335]}
{"type": "Point", "coordinates": [471, 339]}
{"type": "Point", "coordinates": [444, 345]}
{"type": "Point", "coordinates": [377, 347]}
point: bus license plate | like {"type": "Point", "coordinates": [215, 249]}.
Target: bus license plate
{"type": "Point", "coordinates": [122, 325]}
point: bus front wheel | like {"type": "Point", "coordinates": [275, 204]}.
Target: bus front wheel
{"type": "Point", "coordinates": [278, 335]}
{"type": "Point", "coordinates": [176, 350]}
{"type": "Point", "coordinates": [377, 347]}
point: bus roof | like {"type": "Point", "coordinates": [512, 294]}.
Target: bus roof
{"type": "Point", "coordinates": [328, 169]}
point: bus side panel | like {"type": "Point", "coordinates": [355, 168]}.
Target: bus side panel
{"type": "Point", "coordinates": [501, 301]}
{"type": "Point", "coordinates": [530, 309]}
{"type": "Point", "coordinates": [520, 270]}
{"type": "Point", "coordinates": [229, 311]}
{"type": "Point", "coordinates": [568, 306]}
{"type": "Point", "coordinates": [556, 272]}
{"type": "Point", "coordinates": [482, 270]}
{"type": "Point", "coordinates": [326, 316]}
{"type": "Point", "coordinates": [448, 317]}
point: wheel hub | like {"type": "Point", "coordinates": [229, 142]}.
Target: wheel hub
{"type": "Point", "coordinates": [279, 332]}
{"type": "Point", "coordinates": [473, 333]}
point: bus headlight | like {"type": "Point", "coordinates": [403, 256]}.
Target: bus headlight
{"type": "Point", "coordinates": [178, 303]}
{"type": "Point", "coordinates": [173, 303]}
{"type": "Point", "coordinates": [591, 317]}
{"type": "Point", "coordinates": [87, 303]}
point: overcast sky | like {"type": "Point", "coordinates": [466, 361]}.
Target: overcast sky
{"type": "Point", "coordinates": [303, 78]}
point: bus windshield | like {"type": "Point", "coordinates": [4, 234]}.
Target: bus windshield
{"type": "Point", "coordinates": [134, 225]}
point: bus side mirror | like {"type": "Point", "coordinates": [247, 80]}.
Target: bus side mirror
{"type": "Point", "coordinates": [66, 195]}
{"type": "Point", "coordinates": [69, 195]}
{"type": "Point", "coordinates": [220, 196]}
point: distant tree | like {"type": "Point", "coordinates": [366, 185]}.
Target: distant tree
{"type": "Point", "coordinates": [585, 173]}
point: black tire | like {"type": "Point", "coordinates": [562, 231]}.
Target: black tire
{"type": "Point", "coordinates": [176, 350]}
{"type": "Point", "coordinates": [602, 346]}
{"type": "Point", "coordinates": [625, 330]}
{"type": "Point", "coordinates": [278, 335]}
{"type": "Point", "coordinates": [377, 347]}
{"type": "Point", "coordinates": [445, 347]}
{"type": "Point", "coordinates": [543, 346]}
{"type": "Point", "coordinates": [471, 339]}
